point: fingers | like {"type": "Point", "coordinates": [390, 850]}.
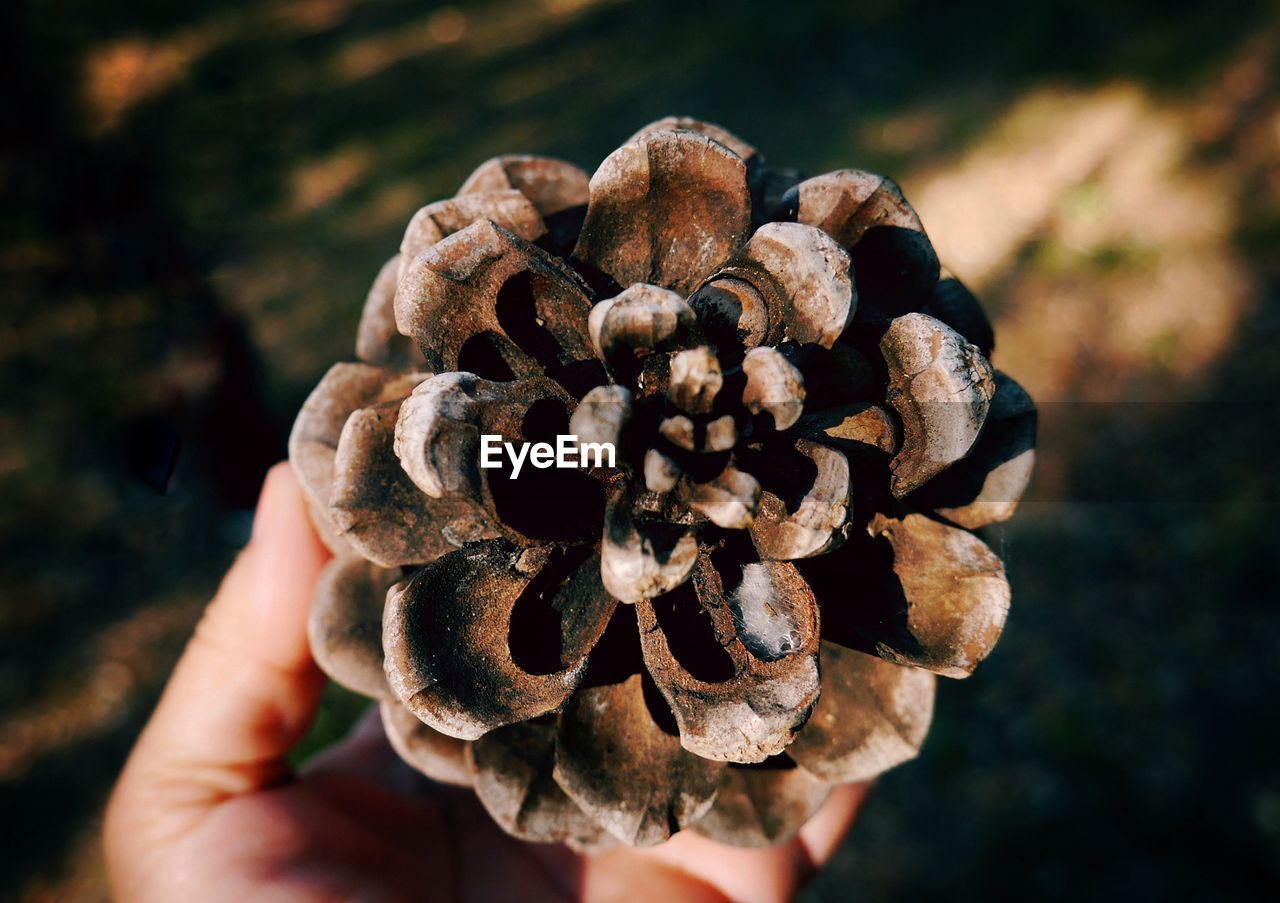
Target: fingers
{"type": "Point", "coordinates": [738, 873]}
{"type": "Point", "coordinates": [245, 689]}
{"type": "Point", "coordinates": [823, 833]}
{"type": "Point", "coordinates": [713, 871]}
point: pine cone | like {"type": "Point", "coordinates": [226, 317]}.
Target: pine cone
{"type": "Point", "coordinates": [751, 605]}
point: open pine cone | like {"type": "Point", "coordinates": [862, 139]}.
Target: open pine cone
{"type": "Point", "coordinates": [752, 604]}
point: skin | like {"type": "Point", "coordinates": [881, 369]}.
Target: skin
{"type": "Point", "coordinates": [207, 807]}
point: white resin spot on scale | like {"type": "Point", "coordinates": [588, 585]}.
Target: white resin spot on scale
{"type": "Point", "coordinates": [765, 621]}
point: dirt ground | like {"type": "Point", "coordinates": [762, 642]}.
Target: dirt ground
{"type": "Point", "coordinates": [196, 196]}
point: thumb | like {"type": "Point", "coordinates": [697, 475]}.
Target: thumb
{"type": "Point", "coordinates": [245, 689]}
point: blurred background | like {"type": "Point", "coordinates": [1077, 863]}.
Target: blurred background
{"type": "Point", "coordinates": [196, 196]}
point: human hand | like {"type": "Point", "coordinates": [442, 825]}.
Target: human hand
{"type": "Point", "coordinates": [207, 807]}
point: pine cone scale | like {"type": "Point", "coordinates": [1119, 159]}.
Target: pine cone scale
{"type": "Point", "coordinates": [618, 764]}
{"type": "Point", "coordinates": [472, 683]}
{"type": "Point", "coordinates": [753, 711]}
{"type": "Point", "coordinates": [665, 210]}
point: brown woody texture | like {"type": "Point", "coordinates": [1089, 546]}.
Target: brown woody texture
{"type": "Point", "coordinates": [752, 605]}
